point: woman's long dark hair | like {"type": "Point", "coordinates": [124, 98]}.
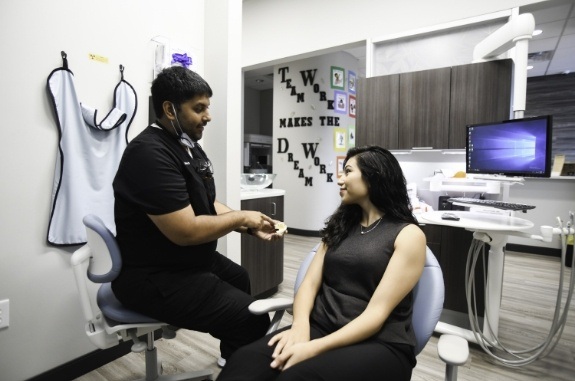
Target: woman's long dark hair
{"type": "Point", "coordinates": [387, 191]}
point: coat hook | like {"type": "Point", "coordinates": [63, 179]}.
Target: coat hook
{"type": "Point", "coordinates": [64, 59]}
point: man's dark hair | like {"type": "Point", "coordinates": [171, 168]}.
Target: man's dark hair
{"type": "Point", "coordinates": [177, 84]}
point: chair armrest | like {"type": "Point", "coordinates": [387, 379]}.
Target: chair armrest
{"type": "Point", "coordinates": [453, 350]}
{"type": "Point", "coordinates": [260, 307]}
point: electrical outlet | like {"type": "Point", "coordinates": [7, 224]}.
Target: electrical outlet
{"type": "Point", "coordinates": [4, 313]}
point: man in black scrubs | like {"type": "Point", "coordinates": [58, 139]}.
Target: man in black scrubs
{"type": "Point", "coordinates": [168, 221]}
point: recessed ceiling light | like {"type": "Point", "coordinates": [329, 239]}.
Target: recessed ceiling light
{"type": "Point", "coordinates": [537, 32]}
{"type": "Point", "coordinates": [529, 67]}
{"type": "Point", "coordinates": [540, 56]}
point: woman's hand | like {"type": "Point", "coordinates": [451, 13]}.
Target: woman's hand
{"type": "Point", "coordinates": [294, 354]}
{"type": "Point", "coordinates": [284, 341]}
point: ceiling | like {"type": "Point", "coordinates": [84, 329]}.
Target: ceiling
{"type": "Point", "coordinates": [551, 52]}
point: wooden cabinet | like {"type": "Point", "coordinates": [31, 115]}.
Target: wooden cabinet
{"type": "Point", "coordinates": [480, 93]}
{"type": "Point", "coordinates": [264, 260]}
{"type": "Point", "coordinates": [431, 108]}
{"type": "Point", "coordinates": [379, 116]}
{"type": "Point", "coordinates": [451, 246]}
{"type": "Point", "coordinates": [424, 109]}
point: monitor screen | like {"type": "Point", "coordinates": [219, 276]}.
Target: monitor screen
{"type": "Point", "coordinates": [517, 147]}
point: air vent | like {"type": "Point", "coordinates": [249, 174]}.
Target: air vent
{"type": "Point", "coordinates": [541, 56]}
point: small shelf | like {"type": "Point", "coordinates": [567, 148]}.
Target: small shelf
{"type": "Point", "coordinates": [444, 184]}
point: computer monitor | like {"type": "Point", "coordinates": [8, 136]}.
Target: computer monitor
{"type": "Point", "coordinates": [516, 147]}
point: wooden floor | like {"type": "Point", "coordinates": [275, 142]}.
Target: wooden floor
{"type": "Point", "coordinates": [529, 294]}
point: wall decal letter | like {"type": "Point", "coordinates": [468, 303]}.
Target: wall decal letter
{"type": "Point", "coordinates": [309, 148]}
{"type": "Point", "coordinates": [283, 71]}
{"type": "Point", "coordinates": [308, 75]}
{"type": "Point", "coordinates": [280, 141]}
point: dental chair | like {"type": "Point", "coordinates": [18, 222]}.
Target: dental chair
{"type": "Point", "coordinates": [107, 321]}
{"type": "Point", "coordinates": [428, 297]}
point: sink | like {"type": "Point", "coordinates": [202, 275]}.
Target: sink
{"type": "Point", "coordinates": [256, 181]}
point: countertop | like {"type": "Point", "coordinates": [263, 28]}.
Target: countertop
{"type": "Point", "coordinates": [267, 192]}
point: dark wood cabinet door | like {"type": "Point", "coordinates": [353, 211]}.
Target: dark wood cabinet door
{"type": "Point", "coordinates": [480, 93]}
{"type": "Point", "coordinates": [451, 246]}
{"type": "Point", "coordinates": [433, 237]}
{"type": "Point", "coordinates": [424, 109]}
{"type": "Point", "coordinates": [455, 243]}
{"type": "Point", "coordinates": [377, 111]}
{"type": "Point", "coordinates": [264, 260]}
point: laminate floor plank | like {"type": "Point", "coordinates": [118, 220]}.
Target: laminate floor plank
{"type": "Point", "coordinates": [528, 299]}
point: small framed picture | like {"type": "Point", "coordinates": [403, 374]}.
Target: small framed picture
{"type": "Point", "coordinates": [339, 162]}
{"type": "Point", "coordinates": [351, 81]}
{"type": "Point", "coordinates": [337, 78]}
{"type": "Point", "coordinates": [339, 139]}
{"type": "Point", "coordinates": [352, 106]}
{"type": "Point", "coordinates": [340, 102]}
{"type": "Point", "coordinates": [351, 137]}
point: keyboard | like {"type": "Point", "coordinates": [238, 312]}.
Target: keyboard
{"type": "Point", "coordinates": [491, 203]}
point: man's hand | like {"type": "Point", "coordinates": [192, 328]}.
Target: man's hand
{"type": "Point", "coordinates": [278, 232]}
{"type": "Point", "coordinates": [258, 221]}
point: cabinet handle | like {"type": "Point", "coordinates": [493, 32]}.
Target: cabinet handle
{"type": "Point", "coordinates": [274, 210]}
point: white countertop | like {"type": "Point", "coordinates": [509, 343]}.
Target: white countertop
{"type": "Point", "coordinates": [262, 193]}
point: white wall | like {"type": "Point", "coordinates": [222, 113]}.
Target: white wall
{"type": "Point", "coordinates": [223, 136]}
{"type": "Point", "coordinates": [46, 328]}
{"type": "Point", "coordinates": [310, 182]}
{"type": "Point", "coordinates": [272, 29]}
